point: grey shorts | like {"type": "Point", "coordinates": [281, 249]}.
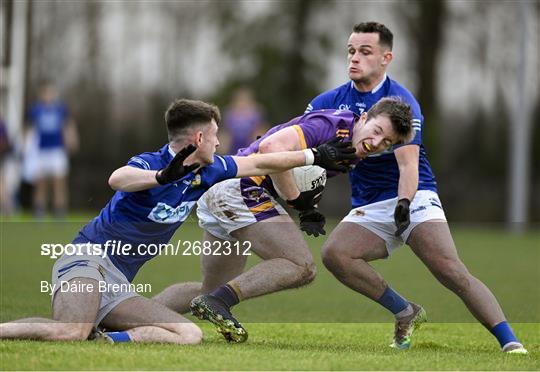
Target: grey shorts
{"type": "Point", "coordinates": [113, 285]}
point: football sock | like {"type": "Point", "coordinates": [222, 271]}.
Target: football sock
{"type": "Point", "coordinates": [405, 312]}
{"type": "Point", "coordinates": [227, 294]}
{"type": "Point", "coordinates": [119, 336]}
{"type": "Point", "coordinates": [504, 334]}
{"type": "Point", "coordinates": [393, 301]}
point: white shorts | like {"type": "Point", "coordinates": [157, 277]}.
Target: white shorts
{"type": "Point", "coordinates": [232, 204]}
{"type": "Point", "coordinates": [95, 267]}
{"type": "Point", "coordinates": [51, 163]}
{"type": "Point", "coordinates": [379, 217]}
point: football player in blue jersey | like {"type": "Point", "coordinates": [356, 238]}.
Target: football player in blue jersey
{"type": "Point", "coordinates": [395, 201]}
{"type": "Point", "coordinates": [56, 135]}
{"type": "Point", "coordinates": [155, 193]}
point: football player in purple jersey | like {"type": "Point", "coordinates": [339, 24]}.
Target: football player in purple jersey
{"type": "Point", "coordinates": [246, 210]}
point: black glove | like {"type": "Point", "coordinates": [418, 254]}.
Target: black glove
{"type": "Point", "coordinates": [312, 222]}
{"type": "Point", "coordinates": [402, 216]}
{"type": "Point", "coordinates": [176, 170]}
{"type": "Point", "coordinates": [307, 199]}
{"type": "Point", "coordinates": [333, 154]}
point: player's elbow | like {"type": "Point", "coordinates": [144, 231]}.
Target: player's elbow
{"type": "Point", "coordinates": [115, 181]}
{"type": "Point", "coordinates": [271, 145]}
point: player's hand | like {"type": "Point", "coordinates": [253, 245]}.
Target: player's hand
{"type": "Point", "coordinates": [334, 155]}
{"type": "Point", "coordinates": [176, 169]}
{"type": "Point", "coordinates": [307, 199]}
{"type": "Point", "coordinates": [402, 216]}
{"type": "Point", "coordinates": [312, 222]}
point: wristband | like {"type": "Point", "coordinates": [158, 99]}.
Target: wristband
{"type": "Point", "coordinates": [310, 158]}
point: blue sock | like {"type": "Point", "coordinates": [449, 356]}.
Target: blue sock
{"type": "Point", "coordinates": [119, 336]}
{"type": "Point", "coordinates": [227, 294]}
{"type": "Point", "coordinates": [393, 301]}
{"type": "Point", "coordinates": [504, 333]}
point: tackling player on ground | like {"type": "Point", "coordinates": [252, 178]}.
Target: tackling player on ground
{"type": "Point", "coordinates": [246, 210]}
{"type": "Point", "coordinates": [156, 191]}
{"type": "Point", "coordinates": [395, 201]}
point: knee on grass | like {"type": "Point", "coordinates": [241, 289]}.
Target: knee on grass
{"type": "Point", "coordinates": [189, 333]}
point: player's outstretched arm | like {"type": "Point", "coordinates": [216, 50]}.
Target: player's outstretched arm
{"type": "Point", "coordinates": [131, 179]}
{"type": "Point", "coordinates": [330, 155]}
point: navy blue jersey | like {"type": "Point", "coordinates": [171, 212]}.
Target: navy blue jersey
{"type": "Point", "coordinates": [376, 177]}
{"type": "Point", "coordinates": [48, 120]}
{"type": "Point", "coordinates": [152, 216]}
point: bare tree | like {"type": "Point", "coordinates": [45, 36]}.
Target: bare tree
{"type": "Point", "coordinates": [424, 21]}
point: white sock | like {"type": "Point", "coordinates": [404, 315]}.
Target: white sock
{"type": "Point", "coordinates": [405, 312]}
{"type": "Point", "coordinates": [512, 343]}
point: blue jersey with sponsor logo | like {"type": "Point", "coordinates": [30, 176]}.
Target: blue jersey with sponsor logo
{"type": "Point", "coordinates": [48, 121]}
{"type": "Point", "coordinates": [151, 216]}
{"type": "Point", "coordinates": [376, 177]}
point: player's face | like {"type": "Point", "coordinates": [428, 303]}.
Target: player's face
{"type": "Point", "coordinates": [48, 94]}
{"type": "Point", "coordinates": [367, 59]}
{"type": "Point", "coordinates": [207, 142]}
{"type": "Point", "coordinates": [373, 135]}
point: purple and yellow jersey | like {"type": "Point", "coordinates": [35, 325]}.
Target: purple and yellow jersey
{"type": "Point", "coordinates": [376, 177]}
{"type": "Point", "coordinates": [314, 129]}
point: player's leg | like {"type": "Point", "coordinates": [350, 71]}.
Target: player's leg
{"type": "Point", "coordinates": [287, 263]}
{"type": "Point", "coordinates": [346, 253]}
{"type": "Point", "coordinates": [249, 215]}
{"type": "Point", "coordinates": [286, 259]}
{"type": "Point", "coordinates": [140, 319]}
{"type": "Point", "coordinates": [40, 196]}
{"type": "Point", "coordinates": [178, 296]}
{"type": "Point", "coordinates": [243, 210]}
{"type": "Point", "coordinates": [432, 242]}
{"type": "Point", "coordinates": [214, 304]}
{"type": "Point", "coordinates": [74, 313]}
{"type": "Point", "coordinates": [59, 168]}
{"type": "Point", "coordinates": [216, 270]}
{"type": "Point", "coordinates": [60, 195]}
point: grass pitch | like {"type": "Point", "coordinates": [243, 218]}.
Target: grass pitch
{"type": "Point", "coordinates": [307, 346]}
{"type": "Point", "coordinates": [324, 326]}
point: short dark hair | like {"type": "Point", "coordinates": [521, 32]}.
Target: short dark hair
{"type": "Point", "coordinates": [184, 114]}
{"type": "Point", "coordinates": [400, 115]}
{"type": "Point", "coordinates": [385, 35]}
